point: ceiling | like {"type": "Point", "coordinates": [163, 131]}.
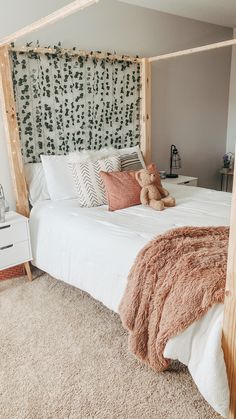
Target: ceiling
{"type": "Point", "coordinates": [220, 12]}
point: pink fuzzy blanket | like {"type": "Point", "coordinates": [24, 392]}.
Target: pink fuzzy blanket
{"type": "Point", "coordinates": [174, 281]}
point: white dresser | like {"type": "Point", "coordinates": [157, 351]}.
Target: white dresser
{"type": "Point", "coordinates": [182, 180]}
{"type": "Point", "coordinates": [15, 247]}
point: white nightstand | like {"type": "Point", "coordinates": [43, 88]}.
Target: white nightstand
{"type": "Point", "coordinates": [15, 247]}
{"type": "Point", "coordinates": [182, 180]}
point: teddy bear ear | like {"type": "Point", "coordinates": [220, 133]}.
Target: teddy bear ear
{"type": "Point", "coordinates": [152, 168]}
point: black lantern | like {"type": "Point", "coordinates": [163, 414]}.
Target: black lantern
{"type": "Point", "coordinates": [175, 161]}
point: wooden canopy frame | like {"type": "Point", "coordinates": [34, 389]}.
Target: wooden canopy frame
{"type": "Point", "coordinates": [10, 114]}
{"type": "Point", "coordinates": [19, 183]}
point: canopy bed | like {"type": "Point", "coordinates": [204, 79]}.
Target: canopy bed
{"type": "Point", "coordinates": [137, 231]}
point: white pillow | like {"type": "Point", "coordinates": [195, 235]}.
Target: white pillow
{"type": "Point", "coordinates": [92, 155]}
{"type": "Point", "coordinates": [36, 183]}
{"type": "Point", "coordinates": [105, 152]}
{"type": "Point", "coordinates": [58, 177]}
{"type": "Point", "coordinates": [88, 182]}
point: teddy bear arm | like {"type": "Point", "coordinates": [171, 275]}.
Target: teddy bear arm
{"type": "Point", "coordinates": [163, 191]}
{"type": "Point", "coordinates": [144, 198]}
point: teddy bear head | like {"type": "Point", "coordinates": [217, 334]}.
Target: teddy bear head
{"type": "Point", "coordinates": [145, 178]}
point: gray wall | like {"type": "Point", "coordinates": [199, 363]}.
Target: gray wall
{"type": "Point", "coordinates": [189, 94]}
{"type": "Point", "coordinates": [190, 104]}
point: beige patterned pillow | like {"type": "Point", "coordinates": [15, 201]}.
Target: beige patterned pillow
{"type": "Point", "coordinates": [88, 183]}
{"type": "Point", "coordinates": [130, 162]}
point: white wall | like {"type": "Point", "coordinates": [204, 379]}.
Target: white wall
{"type": "Point", "coordinates": [189, 95]}
{"type": "Point", "coordinates": [231, 133]}
{"type": "Point", "coordinates": [17, 14]}
{"type": "Point", "coordinates": [191, 111]}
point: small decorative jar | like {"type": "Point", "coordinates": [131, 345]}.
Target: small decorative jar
{"type": "Point", "coordinates": [162, 174]}
{"type": "Point", "coordinates": [227, 162]}
{"type": "Point", "coordinates": [225, 170]}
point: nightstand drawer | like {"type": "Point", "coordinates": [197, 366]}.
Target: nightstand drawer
{"type": "Point", "coordinates": [14, 254]}
{"type": "Point", "coordinates": [11, 233]}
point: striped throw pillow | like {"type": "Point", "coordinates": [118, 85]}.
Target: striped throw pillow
{"type": "Point", "coordinates": [130, 162]}
{"type": "Point", "coordinates": [88, 183]}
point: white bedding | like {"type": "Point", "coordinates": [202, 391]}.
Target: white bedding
{"type": "Point", "coordinates": [94, 249]}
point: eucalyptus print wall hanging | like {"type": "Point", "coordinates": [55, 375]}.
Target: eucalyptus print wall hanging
{"type": "Point", "coordinates": [67, 102]}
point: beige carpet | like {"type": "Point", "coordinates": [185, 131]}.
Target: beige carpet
{"type": "Point", "coordinates": [63, 355]}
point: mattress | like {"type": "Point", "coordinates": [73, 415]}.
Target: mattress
{"type": "Point", "coordinates": [93, 249]}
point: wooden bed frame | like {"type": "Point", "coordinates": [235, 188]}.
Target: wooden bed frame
{"type": "Point", "coordinates": [19, 183]}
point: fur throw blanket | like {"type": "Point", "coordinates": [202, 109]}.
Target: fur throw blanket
{"type": "Point", "coordinates": [175, 280]}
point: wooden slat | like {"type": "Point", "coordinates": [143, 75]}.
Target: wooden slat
{"type": "Point", "coordinates": [77, 53]}
{"type": "Point", "coordinates": [145, 143]}
{"type": "Point", "coordinates": [59, 14]}
{"type": "Point", "coordinates": [189, 51]}
{"type": "Point", "coordinates": [229, 326]}
{"type": "Point", "coordinates": [28, 271]}
{"type": "Point", "coordinates": [12, 132]}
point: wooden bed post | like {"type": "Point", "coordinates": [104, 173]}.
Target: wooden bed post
{"type": "Point", "coordinates": [145, 118]}
{"type": "Point", "coordinates": [229, 325]}
{"type": "Point", "coordinates": [12, 132]}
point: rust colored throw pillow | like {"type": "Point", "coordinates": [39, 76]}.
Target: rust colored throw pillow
{"type": "Point", "coordinates": [122, 189]}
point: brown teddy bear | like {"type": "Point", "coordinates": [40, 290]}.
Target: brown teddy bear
{"type": "Point", "coordinates": [152, 192]}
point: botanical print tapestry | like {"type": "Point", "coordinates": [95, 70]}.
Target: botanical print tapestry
{"type": "Point", "coordinates": [67, 102]}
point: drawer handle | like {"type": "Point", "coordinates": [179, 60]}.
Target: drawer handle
{"type": "Point", "coordinates": [6, 247]}
{"type": "Point", "coordinates": [8, 226]}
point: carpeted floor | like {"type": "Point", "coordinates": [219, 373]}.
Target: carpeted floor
{"type": "Point", "coordinates": [63, 355]}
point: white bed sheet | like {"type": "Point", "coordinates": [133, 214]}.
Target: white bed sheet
{"type": "Point", "coordinates": [93, 249]}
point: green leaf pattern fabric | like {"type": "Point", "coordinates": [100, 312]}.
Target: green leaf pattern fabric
{"type": "Point", "coordinates": [66, 103]}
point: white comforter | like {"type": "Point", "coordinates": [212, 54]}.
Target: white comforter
{"type": "Point", "coordinates": [94, 249]}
